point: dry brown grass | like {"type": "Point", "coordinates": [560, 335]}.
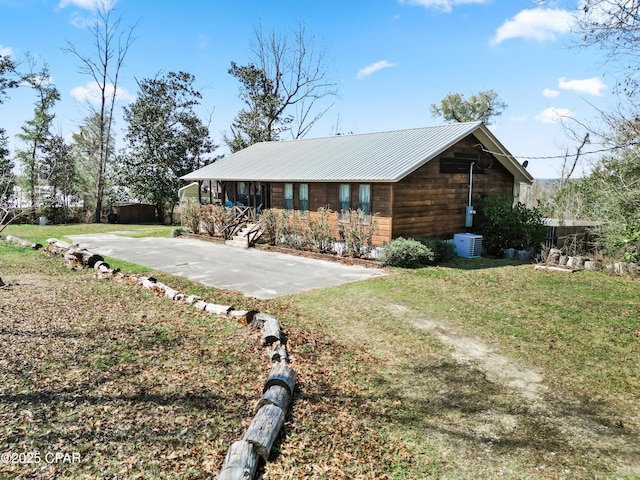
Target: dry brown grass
{"type": "Point", "coordinates": [410, 376]}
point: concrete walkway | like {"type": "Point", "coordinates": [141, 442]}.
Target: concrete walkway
{"type": "Point", "coordinates": [253, 272]}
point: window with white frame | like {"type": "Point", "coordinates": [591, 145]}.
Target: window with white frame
{"type": "Point", "coordinates": [345, 197]}
{"type": "Point", "coordinates": [288, 196]}
{"type": "Point", "coordinates": [303, 194]}
{"type": "Point", "coordinates": [364, 198]}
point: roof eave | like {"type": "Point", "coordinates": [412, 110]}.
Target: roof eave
{"type": "Point", "coordinates": [510, 162]}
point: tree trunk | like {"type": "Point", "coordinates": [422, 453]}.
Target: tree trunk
{"type": "Point", "coordinates": [160, 211]}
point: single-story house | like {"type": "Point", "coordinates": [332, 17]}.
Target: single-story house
{"type": "Point", "coordinates": [418, 181]}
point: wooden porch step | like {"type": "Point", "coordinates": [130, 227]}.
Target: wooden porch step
{"type": "Point", "coordinates": [241, 240]}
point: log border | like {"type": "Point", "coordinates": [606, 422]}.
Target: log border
{"type": "Point", "coordinates": [243, 456]}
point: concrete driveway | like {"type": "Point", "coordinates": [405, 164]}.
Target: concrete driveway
{"type": "Point", "coordinates": [254, 272]}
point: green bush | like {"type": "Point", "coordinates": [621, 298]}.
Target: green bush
{"type": "Point", "coordinates": [503, 225]}
{"type": "Point", "coordinates": [443, 250]}
{"type": "Point", "coordinates": [176, 232]}
{"type": "Point", "coordinates": [406, 253]}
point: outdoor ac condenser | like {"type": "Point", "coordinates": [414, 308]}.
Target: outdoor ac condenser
{"type": "Point", "coordinates": [467, 245]}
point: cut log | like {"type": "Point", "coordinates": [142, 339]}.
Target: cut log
{"type": "Point", "coordinates": [217, 309]}
{"type": "Point", "coordinates": [57, 247]}
{"type": "Point", "coordinates": [73, 258]}
{"type": "Point", "coordinates": [240, 463]}
{"type": "Point", "coordinates": [89, 259]}
{"type": "Point", "coordinates": [243, 317]}
{"type": "Point", "coordinates": [578, 262]}
{"type": "Point", "coordinates": [170, 293]}
{"type": "Point", "coordinates": [101, 265]}
{"type": "Point", "coordinates": [553, 268]}
{"type": "Point", "coordinates": [259, 319]}
{"type": "Point", "coordinates": [593, 265]}
{"type": "Point", "coordinates": [283, 375]}
{"type": "Point", "coordinates": [200, 305]}
{"type": "Point", "coordinates": [275, 395]}
{"type": "Point", "coordinates": [24, 243]}
{"type": "Point", "coordinates": [619, 268]}
{"type": "Point", "coordinates": [270, 331]}
{"type": "Point", "coordinates": [191, 299]}
{"type": "Point", "coordinates": [277, 353]}
{"type": "Point", "coordinates": [264, 429]}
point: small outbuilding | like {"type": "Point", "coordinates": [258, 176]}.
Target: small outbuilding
{"type": "Point", "coordinates": [420, 182]}
{"type": "Point", "coordinates": [131, 212]}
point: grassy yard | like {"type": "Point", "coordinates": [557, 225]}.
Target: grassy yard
{"type": "Point", "coordinates": [478, 369]}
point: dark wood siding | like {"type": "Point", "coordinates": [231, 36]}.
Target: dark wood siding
{"type": "Point", "coordinates": [432, 204]}
{"type": "Point", "coordinates": [327, 195]}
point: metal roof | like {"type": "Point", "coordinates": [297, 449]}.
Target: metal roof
{"type": "Point", "coordinates": [373, 157]}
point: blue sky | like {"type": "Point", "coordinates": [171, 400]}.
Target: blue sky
{"type": "Point", "coordinates": [391, 58]}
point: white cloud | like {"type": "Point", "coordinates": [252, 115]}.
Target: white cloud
{"type": "Point", "coordinates": [86, 4]}
{"type": "Point", "coordinates": [368, 70]}
{"type": "Point", "coordinates": [590, 86]}
{"type": "Point", "coordinates": [553, 114]}
{"type": "Point", "coordinates": [6, 51]}
{"type": "Point", "coordinates": [91, 93]}
{"type": "Point", "coordinates": [538, 24]}
{"type": "Point", "coordinates": [442, 5]}
{"type": "Point", "coordinates": [550, 93]}
{"type": "Point", "coordinates": [80, 21]}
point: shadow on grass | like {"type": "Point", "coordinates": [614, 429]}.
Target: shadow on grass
{"type": "Point", "coordinates": [457, 401]}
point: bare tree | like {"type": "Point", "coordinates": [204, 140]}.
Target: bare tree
{"type": "Point", "coordinates": [111, 42]}
{"type": "Point", "coordinates": [614, 27]}
{"type": "Point", "coordinates": [282, 87]}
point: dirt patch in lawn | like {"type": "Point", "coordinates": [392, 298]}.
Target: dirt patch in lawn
{"type": "Point", "coordinates": [549, 409]}
{"type": "Point", "coordinates": [498, 368]}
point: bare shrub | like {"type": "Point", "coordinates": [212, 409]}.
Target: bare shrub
{"type": "Point", "coordinates": [191, 216]}
{"type": "Point", "coordinates": [320, 238]}
{"type": "Point", "coordinates": [216, 219]}
{"type": "Point", "coordinates": [356, 230]}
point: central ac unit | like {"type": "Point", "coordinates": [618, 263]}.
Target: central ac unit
{"type": "Point", "coordinates": [467, 245]}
